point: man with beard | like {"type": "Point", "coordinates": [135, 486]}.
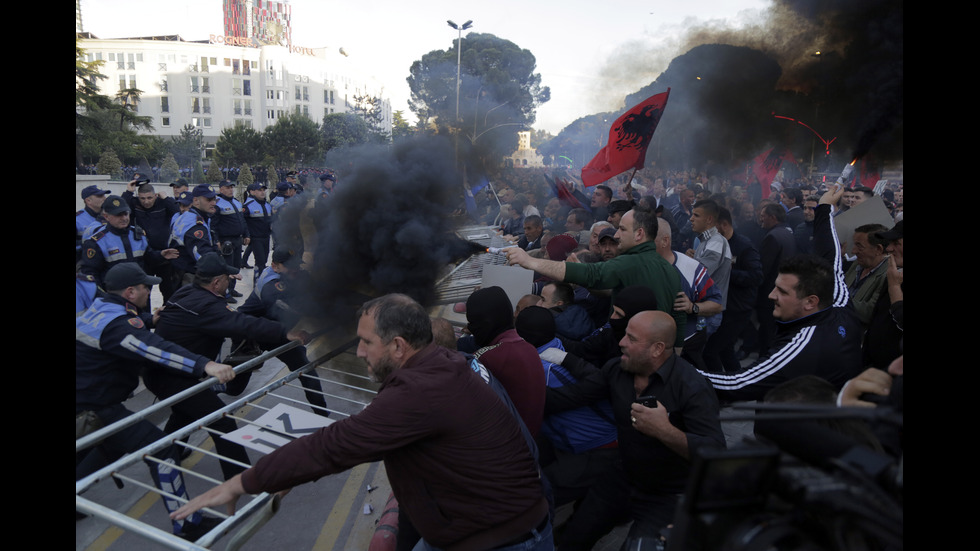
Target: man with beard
{"type": "Point", "coordinates": [456, 457]}
{"type": "Point", "coordinates": [607, 244]}
{"type": "Point", "coordinates": [664, 411]}
{"type": "Point", "coordinates": [637, 264]}
{"type": "Point", "coordinates": [510, 358]}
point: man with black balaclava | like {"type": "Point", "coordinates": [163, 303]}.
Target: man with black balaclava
{"type": "Point", "coordinates": [513, 361]}
{"type": "Point", "coordinates": [603, 345]}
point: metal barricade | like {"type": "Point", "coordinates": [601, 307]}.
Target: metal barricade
{"type": "Point", "coordinates": [348, 387]}
{"type": "Point", "coordinates": [459, 283]}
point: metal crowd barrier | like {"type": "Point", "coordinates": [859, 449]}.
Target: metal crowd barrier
{"type": "Point", "coordinates": [248, 518]}
{"type": "Point", "coordinates": [455, 286]}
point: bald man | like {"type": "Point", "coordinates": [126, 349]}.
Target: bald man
{"type": "Point", "coordinates": [664, 411]}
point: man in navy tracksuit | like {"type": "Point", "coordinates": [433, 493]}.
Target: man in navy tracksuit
{"type": "Point", "coordinates": [818, 332]}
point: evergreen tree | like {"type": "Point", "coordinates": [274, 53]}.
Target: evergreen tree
{"type": "Point", "coordinates": [110, 164]}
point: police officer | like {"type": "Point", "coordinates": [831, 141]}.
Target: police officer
{"type": "Point", "coordinates": [292, 178]}
{"type": "Point", "coordinates": [197, 319]}
{"type": "Point", "coordinates": [229, 224]}
{"type": "Point", "coordinates": [117, 241]}
{"type": "Point", "coordinates": [191, 232]}
{"type": "Point", "coordinates": [180, 186]}
{"type": "Point", "coordinates": [327, 181]}
{"type": "Point", "coordinates": [89, 216]}
{"type": "Point", "coordinates": [283, 192]}
{"type": "Point", "coordinates": [153, 214]}
{"type": "Point", "coordinates": [112, 344]}
{"type": "Point", "coordinates": [258, 217]}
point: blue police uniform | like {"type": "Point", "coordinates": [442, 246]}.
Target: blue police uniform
{"type": "Point", "coordinates": [231, 229]}
{"type": "Point", "coordinates": [84, 220]}
{"type": "Point", "coordinates": [258, 218]}
{"type": "Point", "coordinates": [264, 302]}
{"type": "Point", "coordinates": [85, 292]}
{"type": "Point", "coordinates": [109, 246]}
{"type": "Point", "coordinates": [112, 344]}
{"type": "Point", "coordinates": [193, 238]}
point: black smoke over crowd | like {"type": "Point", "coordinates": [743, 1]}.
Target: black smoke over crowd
{"type": "Point", "coordinates": [727, 85]}
{"type": "Point", "coordinates": [385, 228]}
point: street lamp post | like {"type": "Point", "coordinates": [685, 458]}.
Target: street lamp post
{"type": "Point", "coordinates": [459, 59]}
{"type": "Point", "coordinates": [459, 56]}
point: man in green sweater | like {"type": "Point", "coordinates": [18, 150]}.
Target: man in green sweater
{"type": "Point", "coordinates": [637, 264]}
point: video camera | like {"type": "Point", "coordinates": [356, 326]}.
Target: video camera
{"type": "Point", "coordinates": [801, 486]}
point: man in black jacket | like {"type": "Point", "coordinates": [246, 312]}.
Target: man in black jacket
{"type": "Point", "coordinates": [818, 332]}
{"type": "Point", "coordinates": [678, 415]}
{"type": "Point", "coordinates": [743, 285]}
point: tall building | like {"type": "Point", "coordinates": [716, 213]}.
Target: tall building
{"type": "Point", "coordinates": [229, 81]}
{"type": "Point", "coordinates": [267, 21]}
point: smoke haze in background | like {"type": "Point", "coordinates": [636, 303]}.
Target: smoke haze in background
{"type": "Point", "coordinates": [852, 91]}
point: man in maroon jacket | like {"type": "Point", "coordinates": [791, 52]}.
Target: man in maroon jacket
{"type": "Point", "coordinates": [456, 457]}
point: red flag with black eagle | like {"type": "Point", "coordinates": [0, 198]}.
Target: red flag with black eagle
{"type": "Point", "coordinates": [767, 165]}
{"type": "Point", "coordinates": [629, 138]}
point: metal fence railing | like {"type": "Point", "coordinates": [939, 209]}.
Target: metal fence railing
{"type": "Point", "coordinates": [347, 393]}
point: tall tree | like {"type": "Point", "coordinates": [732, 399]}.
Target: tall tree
{"type": "Point", "coordinates": [128, 100]}
{"type": "Point", "coordinates": [88, 100]}
{"type": "Point", "coordinates": [399, 126]}
{"type": "Point", "coordinates": [239, 144]}
{"type": "Point", "coordinates": [294, 139]}
{"type": "Point", "coordinates": [186, 146]}
{"type": "Point", "coordinates": [498, 94]}
{"type": "Point", "coordinates": [371, 109]}
{"type": "Point", "coordinates": [109, 164]}
{"type": "Point", "coordinates": [344, 130]}
{"type": "Point", "coordinates": [169, 170]}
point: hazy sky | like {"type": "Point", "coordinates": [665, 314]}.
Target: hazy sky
{"type": "Point", "coordinates": [574, 41]}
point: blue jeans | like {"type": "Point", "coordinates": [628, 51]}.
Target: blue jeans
{"type": "Point", "coordinates": [542, 541]}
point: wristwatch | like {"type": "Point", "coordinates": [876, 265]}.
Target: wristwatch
{"type": "Point", "coordinates": [694, 309]}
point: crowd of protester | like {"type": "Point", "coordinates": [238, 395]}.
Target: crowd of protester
{"type": "Point", "coordinates": [655, 303]}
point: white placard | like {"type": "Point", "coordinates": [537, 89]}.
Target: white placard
{"type": "Point", "coordinates": [285, 424]}
{"type": "Point", "coordinates": [514, 280]}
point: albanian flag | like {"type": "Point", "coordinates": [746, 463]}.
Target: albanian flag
{"type": "Point", "coordinates": [628, 140]}
{"type": "Point", "coordinates": [766, 165]}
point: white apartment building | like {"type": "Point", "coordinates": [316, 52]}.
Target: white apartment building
{"type": "Point", "coordinates": [218, 84]}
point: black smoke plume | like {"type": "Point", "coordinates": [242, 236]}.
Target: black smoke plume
{"type": "Point", "coordinates": [384, 229]}
{"type": "Point", "coordinates": [727, 83]}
